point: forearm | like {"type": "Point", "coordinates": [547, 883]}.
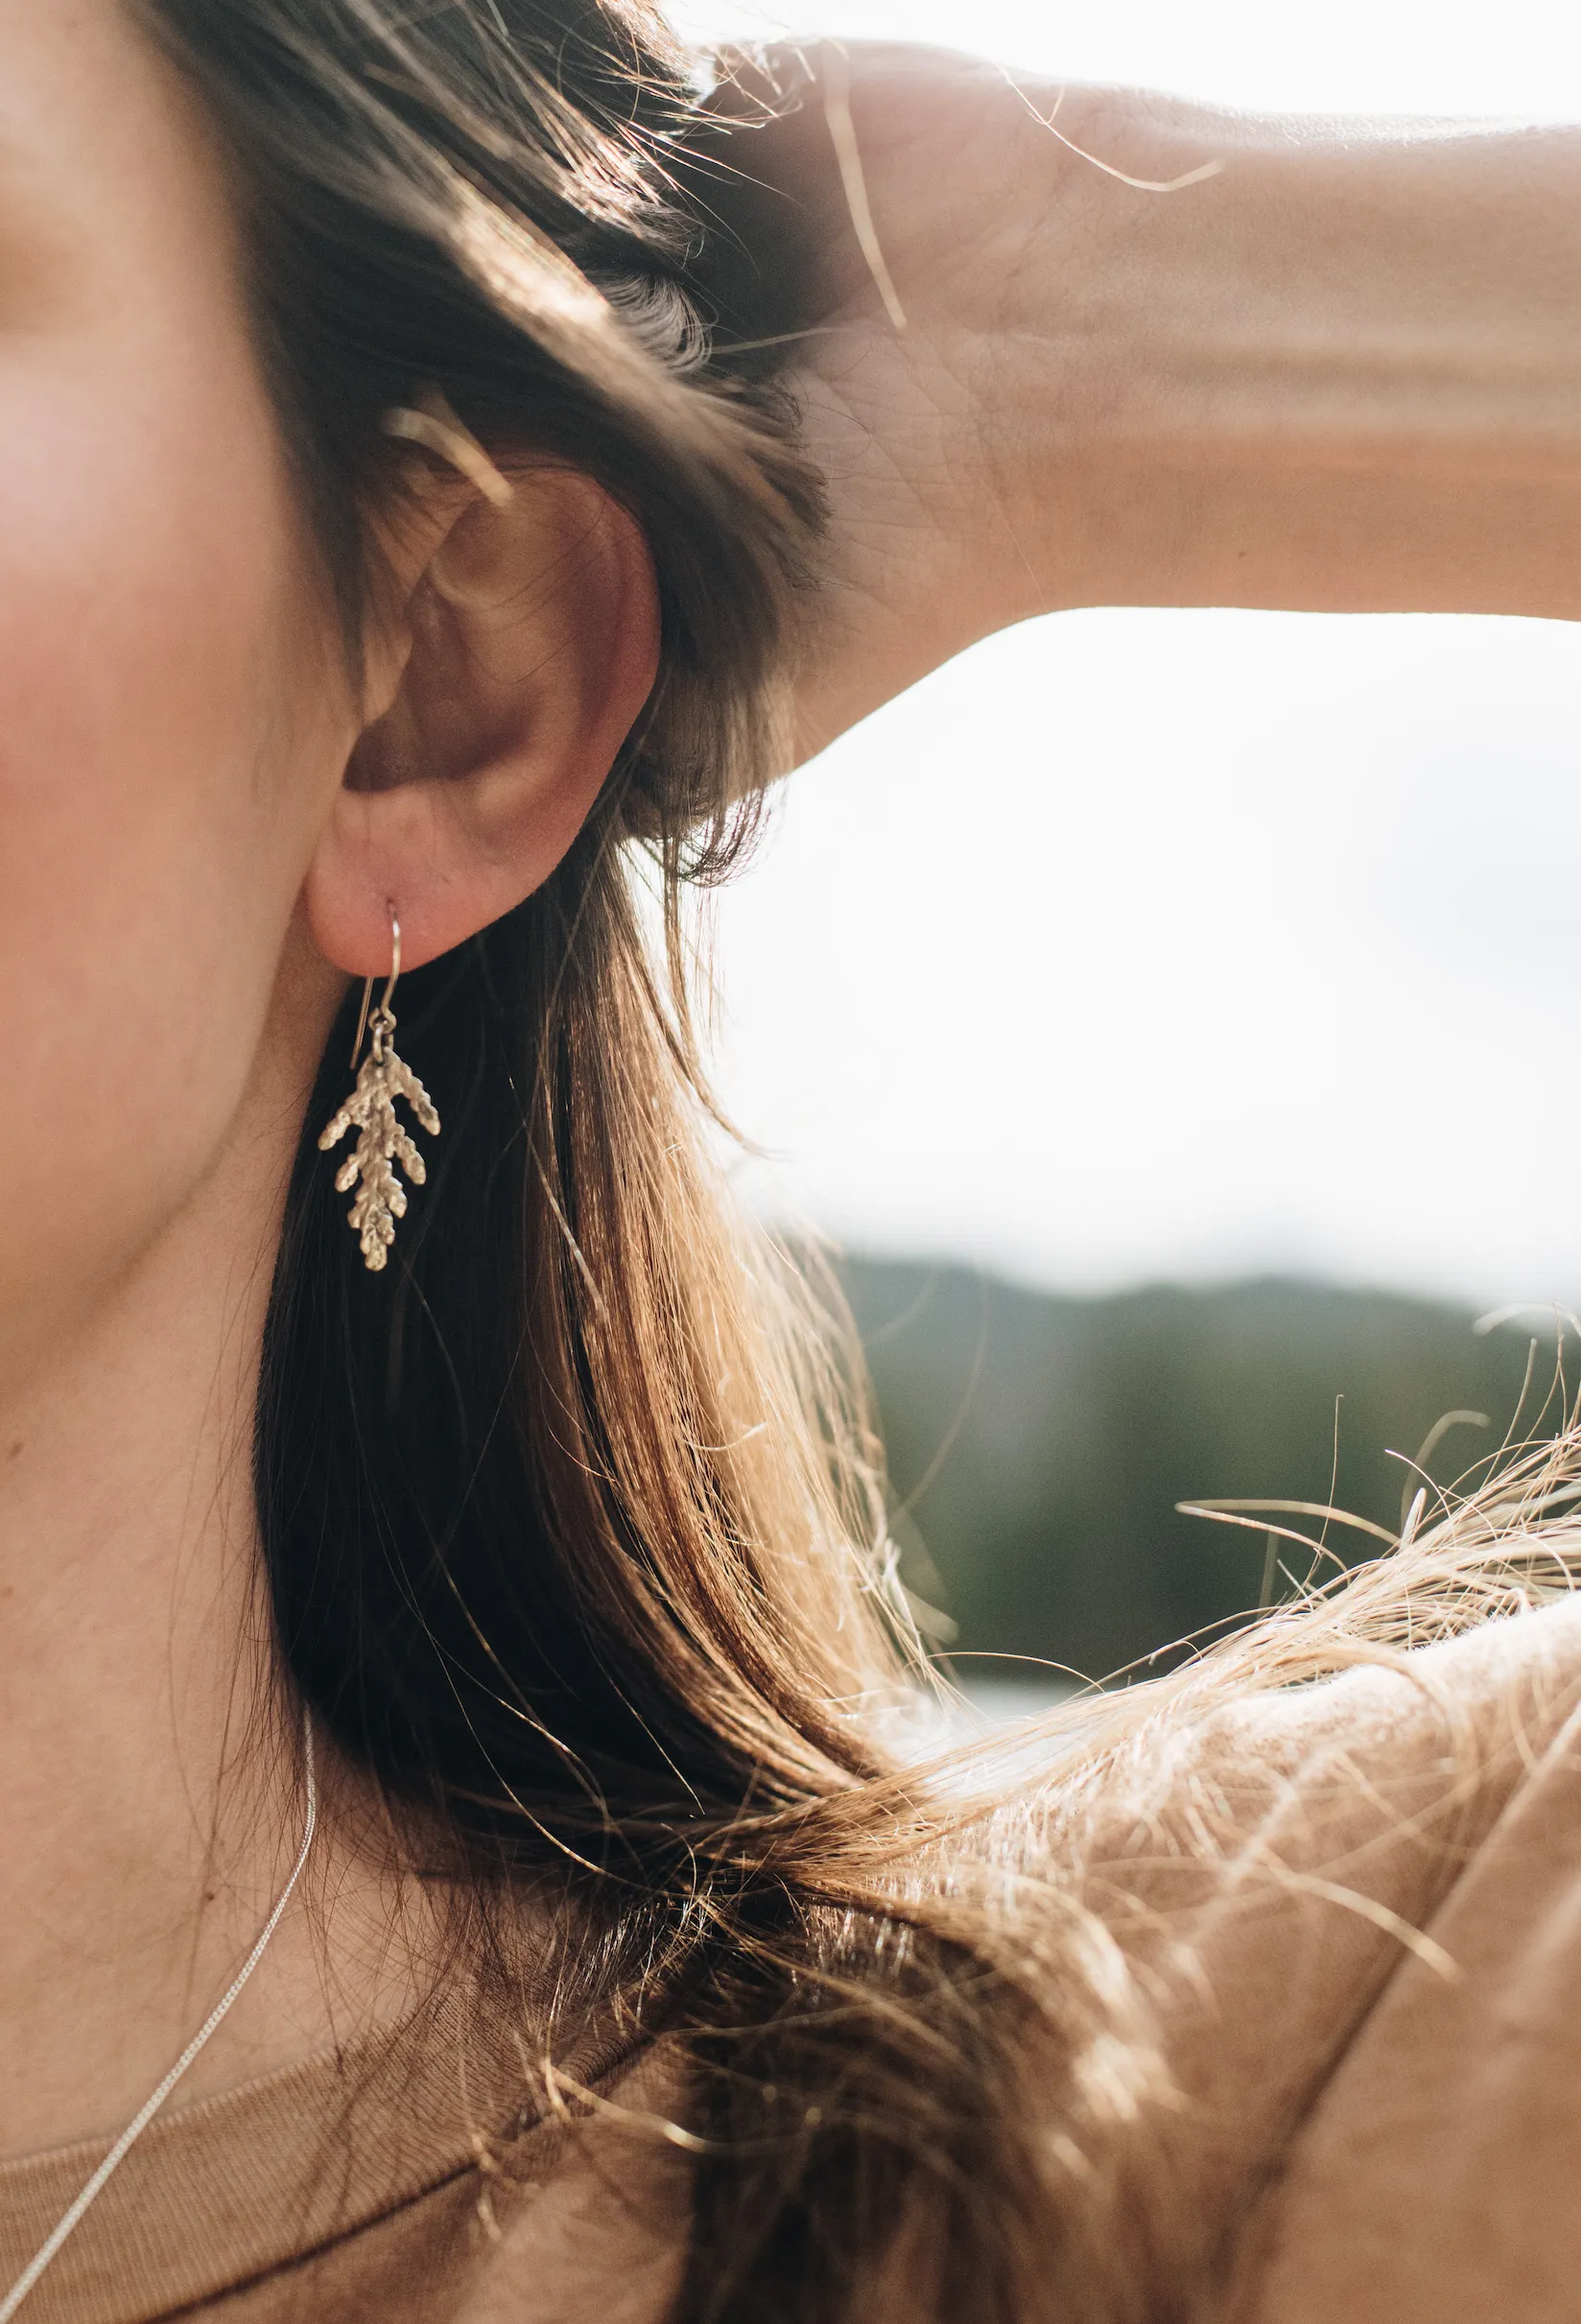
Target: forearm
{"type": "Point", "coordinates": [1343, 373]}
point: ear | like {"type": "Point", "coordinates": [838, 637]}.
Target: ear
{"type": "Point", "coordinates": [531, 643]}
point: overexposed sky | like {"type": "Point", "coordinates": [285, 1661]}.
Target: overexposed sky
{"type": "Point", "coordinates": [1185, 944]}
{"type": "Point", "coordinates": [1349, 55]}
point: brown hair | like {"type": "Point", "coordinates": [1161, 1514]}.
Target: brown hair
{"type": "Point", "coordinates": [574, 1523]}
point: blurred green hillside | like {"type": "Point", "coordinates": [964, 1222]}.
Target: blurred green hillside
{"type": "Point", "coordinates": [1038, 1444]}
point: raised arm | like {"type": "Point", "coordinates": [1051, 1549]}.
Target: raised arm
{"type": "Point", "coordinates": [1340, 373]}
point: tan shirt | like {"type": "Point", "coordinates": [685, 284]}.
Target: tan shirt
{"type": "Point", "coordinates": [1373, 2134]}
{"type": "Point", "coordinates": [400, 2182]}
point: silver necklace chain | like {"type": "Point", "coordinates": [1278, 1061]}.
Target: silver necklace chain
{"type": "Point", "coordinates": [73, 2216]}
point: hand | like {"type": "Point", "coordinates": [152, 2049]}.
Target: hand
{"type": "Point", "coordinates": [893, 349]}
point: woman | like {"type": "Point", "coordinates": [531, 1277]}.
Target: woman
{"type": "Point", "coordinates": [450, 1665]}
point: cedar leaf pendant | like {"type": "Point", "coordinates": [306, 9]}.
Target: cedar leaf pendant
{"type": "Point", "coordinates": [382, 1141]}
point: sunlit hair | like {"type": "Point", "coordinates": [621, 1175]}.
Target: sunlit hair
{"type": "Point", "coordinates": [573, 1520]}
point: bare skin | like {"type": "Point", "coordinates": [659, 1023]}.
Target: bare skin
{"type": "Point", "coordinates": [1342, 374]}
{"type": "Point", "coordinates": [186, 881]}
{"type": "Point", "coordinates": [1081, 411]}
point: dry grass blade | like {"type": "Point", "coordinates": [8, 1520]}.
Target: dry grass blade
{"type": "Point", "coordinates": [1228, 1509]}
{"type": "Point", "coordinates": [842, 135]}
{"type": "Point", "coordinates": [1141, 186]}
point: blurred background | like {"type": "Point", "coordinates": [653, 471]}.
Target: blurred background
{"type": "Point", "coordinates": [1172, 1016]}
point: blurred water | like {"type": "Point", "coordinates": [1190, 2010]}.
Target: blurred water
{"type": "Point", "coordinates": [1002, 1701]}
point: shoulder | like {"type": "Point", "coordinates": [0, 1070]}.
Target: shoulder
{"type": "Point", "coordinates": [1435, 2176]}
{"type": "Point", "coordinates": [1328, 1896]}
{"type": "Point", "coordinates": [1515, 1673]}
{"type": "Point", "coordinates": [1233, 1771]}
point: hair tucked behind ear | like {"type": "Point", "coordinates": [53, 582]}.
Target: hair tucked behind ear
{"type": "Point", "coordinates": [573, 1525]}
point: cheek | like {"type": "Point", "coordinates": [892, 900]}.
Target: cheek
{"type": "Point", "coordinates": [168, 742]}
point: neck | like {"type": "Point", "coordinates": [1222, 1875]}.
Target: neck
{"type": "Point", "coordinates": [152, 1768]}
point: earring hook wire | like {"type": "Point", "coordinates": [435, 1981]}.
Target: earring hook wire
{"type": "Point", "coordinates": [390, 983]}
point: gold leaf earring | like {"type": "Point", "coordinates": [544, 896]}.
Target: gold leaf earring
{"type": "Point", "coordinates": [383, 1142]}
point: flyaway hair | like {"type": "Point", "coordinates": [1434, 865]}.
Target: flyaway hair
{"type": "Point", "coordinates": [574, 1516]}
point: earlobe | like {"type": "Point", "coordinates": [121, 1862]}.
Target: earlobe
{"type": "Point", "coordinates": [533, 646]}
